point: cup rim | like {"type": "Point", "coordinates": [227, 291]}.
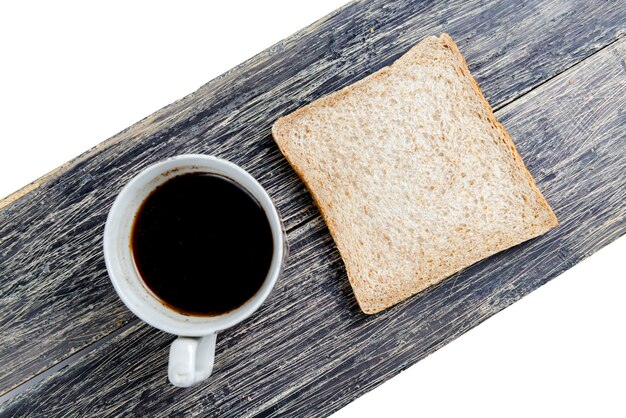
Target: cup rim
{"type": "Point", "coordinates": [118, 257]}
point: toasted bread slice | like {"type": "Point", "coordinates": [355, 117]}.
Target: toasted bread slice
{"type": "Point", "coordinates": [413, 174]}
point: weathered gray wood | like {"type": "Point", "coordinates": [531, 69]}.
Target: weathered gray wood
{"type": "Point", "coordinates": [310, 350]}
{"type": "Point", "coordinates": [55, 297]}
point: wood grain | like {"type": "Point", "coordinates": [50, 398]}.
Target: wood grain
{"type": "Point", "coordinates": [55, 297]}
{"type": "Point", "coordinates": [310, 350]}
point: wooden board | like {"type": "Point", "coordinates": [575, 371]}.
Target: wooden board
{"type": "Point", "coordinates": [56, 298]}
{"type": "Point", "coordinates": [279, 363]}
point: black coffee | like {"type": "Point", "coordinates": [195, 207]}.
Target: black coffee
{"type": "Point", "coordinates": [202, 244]}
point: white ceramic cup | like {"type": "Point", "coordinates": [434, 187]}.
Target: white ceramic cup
{"type": "Point", "coordinates": [192, 353]}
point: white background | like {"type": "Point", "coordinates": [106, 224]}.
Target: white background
{"type": "Point", "coordinates": [75, 73]}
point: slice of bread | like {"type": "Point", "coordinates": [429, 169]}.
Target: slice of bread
{"type": "Point", "coordinates": [413, 174]}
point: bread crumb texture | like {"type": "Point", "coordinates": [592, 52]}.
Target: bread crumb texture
{"type": "Point", "coordinates": [413, 174]}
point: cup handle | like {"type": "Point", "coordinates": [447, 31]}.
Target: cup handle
{"type": "Point", "coordinates": [191, 360]}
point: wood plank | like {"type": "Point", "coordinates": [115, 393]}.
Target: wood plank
{"type": "Point", "coordinates": [310, 350]}
{"type": "Point", "coordinates": [55, 296]}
